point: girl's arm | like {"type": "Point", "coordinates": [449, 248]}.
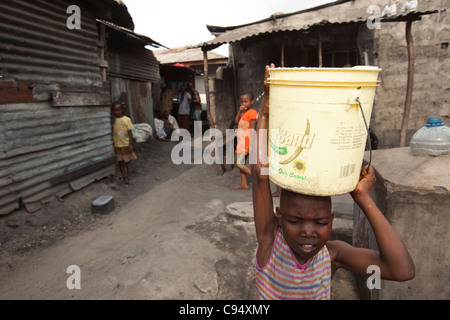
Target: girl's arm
{"type": "Point", "coordinates": [238, 115]}
{"type": "Point", "coordinates": [265, 221]}
{"type": "Point", "coordinates": [392, 258]}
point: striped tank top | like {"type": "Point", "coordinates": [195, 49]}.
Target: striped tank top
{"type": "Point", "coordinates": [283, 278]}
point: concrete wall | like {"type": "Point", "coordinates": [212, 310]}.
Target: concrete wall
{"type": "Point", "coordinates": [413, 193]}
{"type": "Point", "coordinates": [431, 91]}
{"type": "Point", "coordinates": [221, 92]}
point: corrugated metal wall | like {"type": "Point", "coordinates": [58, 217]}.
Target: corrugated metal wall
{"type": "Point", "coordinates": [137, 97]}
{"type": "Point", "coordinates": [131, 70]}
{"type": "Point", "coordinates": [131, 62]}
{"type": "Point", "coordinates": [37, 46]}
{"type": "Point", "coordinates": [45, 150]}
{"type": "Point", "coordinates": [41, 143]}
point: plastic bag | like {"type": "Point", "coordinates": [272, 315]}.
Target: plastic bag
{"type": "Point", "coordinates": [141, 132]}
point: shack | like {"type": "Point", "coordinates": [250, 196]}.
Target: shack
{"type": "Point", "coordinates": [185, 64]}
{"type": "Point", "coordinates": [415, 68]}
{"type": "Point", "coordinates": [59, 72]}
{"type": "Point", "coordinates": [132, 70]}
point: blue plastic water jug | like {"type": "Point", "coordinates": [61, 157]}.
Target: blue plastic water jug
{"type": "Point", "coordinates": [432, 139]}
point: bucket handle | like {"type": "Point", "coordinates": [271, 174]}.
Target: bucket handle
{"type": "Point", "coordinates": [368, 132]}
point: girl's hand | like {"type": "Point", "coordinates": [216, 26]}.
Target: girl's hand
{"type": "Point", "coordinates": [242, 108]}
{"type": "Point", "coordinates": [265, 104]}
{"type": "Point", "coordinates": [266, 77]}
{"type": "Point", "coordinates": [366, 181]}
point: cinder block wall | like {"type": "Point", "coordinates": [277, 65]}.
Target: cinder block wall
{"type": "Point", "coordinates": [413, 193]}
{"type": "Point", "coordinates": [431, 89]}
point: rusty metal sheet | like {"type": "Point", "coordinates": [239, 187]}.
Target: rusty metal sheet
{"type": "Point", "coordinates": [40, 142]}
{"type": "Point", "coordinates": [137, 96]}
{"type": "Point", "coordinates": [37, 46]}
{"type": "Point", "coordinates": [338, 12]}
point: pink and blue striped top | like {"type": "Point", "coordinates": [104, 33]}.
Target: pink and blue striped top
{"type": "Point", "coordinates": [284, 278]}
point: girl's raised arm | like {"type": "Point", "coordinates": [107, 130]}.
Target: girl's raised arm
{"type": "Point", "coordinates": [265, 221]}
{"type": "Point", "coordinates": [393, 258]}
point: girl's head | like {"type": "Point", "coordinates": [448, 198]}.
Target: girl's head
{"type": "Point", "coordinates": [306, 222]}
{"type": "Point", "coordinates": [247, 100]}
{"type": "Point", "coordinates": [118, 109]}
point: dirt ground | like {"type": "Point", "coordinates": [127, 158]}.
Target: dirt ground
{"type": "Point", "coordinates": [168, 238]}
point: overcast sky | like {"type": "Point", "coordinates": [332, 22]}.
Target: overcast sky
{"type": "Point", "coordinates": [176, 23]}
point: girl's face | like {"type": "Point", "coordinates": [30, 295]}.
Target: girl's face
{"type": "Point", "coordinates": [118, 110]}
{"type": "Point", "coordinates": [246, 101]}
{"type": "Point", "coordinates": [306, 223]}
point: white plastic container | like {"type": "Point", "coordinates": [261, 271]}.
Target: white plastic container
{"type": "Point", "coordinates": [317, 134]}
{"type": "Point", "coordinates": [432, 139]}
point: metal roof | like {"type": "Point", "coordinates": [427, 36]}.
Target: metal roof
{"type": "Point", "coordinates": [344, 11]}
{"type": "Point", "coordinates": [131, 33]}
{"type": "Point", "coordinates": [184, 54]}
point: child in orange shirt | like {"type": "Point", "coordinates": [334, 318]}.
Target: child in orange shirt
{"type": "Point", "coordinates": [122, 138]}
{"type": "Point", "coordinates": [246, 120]}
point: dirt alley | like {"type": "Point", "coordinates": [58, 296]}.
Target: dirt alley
{"type": "Point", "coordinates": [168, 238]}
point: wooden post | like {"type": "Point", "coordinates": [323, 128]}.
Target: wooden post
{"type": "Point", "coordinates": [219, 168]}
{"type": "Point", "coordinates": [320, 50]}
{"type": "Point", "coordinates": [205, 77]}
{"type": "Point", "coordinates": [282, 54]}
{"type": "Point", "coordinates": [235, 85]}
{"type": "Point", "coordinates": [409, 86]}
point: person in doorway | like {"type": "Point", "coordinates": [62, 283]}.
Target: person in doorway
{"type": "Point", "coordinates": [295, 258]}
{"type": "Point", "coordinates": [166, 98]}
{"type": "Point", "coordinates": [196, 105]}
{"type": "Point", "coordinates": [123, 140]}
{"type": "Point", "coordinates": [246, 120]}
{"type": "Point", "coordinates": [184, 110]}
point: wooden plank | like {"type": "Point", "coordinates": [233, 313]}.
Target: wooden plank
{"type": "Point", "coordinates": [9, 208]}
{"type": "Point", "coordinates": [74, 99]}
{"type": "Point", "coordinates": [319, 40]}
{"type": "Point", "coordinates": [16, 92]}
{"type": "Point", "coordinates": [219, 168]}
{"type": "Point", "coordinates": [76, 95]}
{"type": "Point", "coordinates": [77, 173]}
{"type": "Point", "coordinates": [94, 176]}
{"type": "Point", "coordinates": [104, 89]}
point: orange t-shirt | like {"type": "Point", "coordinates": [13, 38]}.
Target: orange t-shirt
{"type": "Point", "coordinates": [243, 133]}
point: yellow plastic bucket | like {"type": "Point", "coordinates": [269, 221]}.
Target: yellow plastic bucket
{"type": "Point", "coordinates": [317, 134]}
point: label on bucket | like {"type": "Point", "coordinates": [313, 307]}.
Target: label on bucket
{"type": "Point", "coordinates": [317, 153]}
{"type": "Point", "coordinates": [316, 160]}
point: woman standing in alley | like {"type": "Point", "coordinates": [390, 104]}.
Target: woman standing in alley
{"type": "Point", "coordinates": [184, 110]}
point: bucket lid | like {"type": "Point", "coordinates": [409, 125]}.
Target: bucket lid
{"type": "Point", "coordinates": [336, 75]}
{"type": "Point", "coordinates": [355, 68]}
